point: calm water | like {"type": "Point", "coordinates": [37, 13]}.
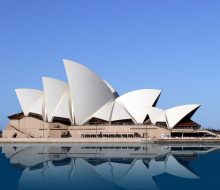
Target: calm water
{"type": "Point", "coordinates": [106, 166]}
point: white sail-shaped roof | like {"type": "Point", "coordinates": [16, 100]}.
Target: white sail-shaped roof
{"type": "Point", "coordinates": [144, 97]}
{"type": "Point", "coordinates": [156, 115]}
{"type": "Point", "coordinates": [175, 115]}
{"type": "Point", "coordinates": [88, 91]}
{"type": "Point", "coordinates": [56, 94]}
{"type": "Point", "coordinates": [139, 113]}
{"type": "Point", "coordinates": [31, 101]}
{"type": "Point", "coordinates": [87, 96]}
{"type": "Point", "coordinates": [63, 109]}
{"type": "Point", "coordinates": [104, 113]}
{"type": "Point", "coordinates": [119, 113]}
{"type": "Point", "coordinates": [136, 102]}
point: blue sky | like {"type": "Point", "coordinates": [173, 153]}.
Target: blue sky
{"type": "Point", "coordinates": [172, 45]}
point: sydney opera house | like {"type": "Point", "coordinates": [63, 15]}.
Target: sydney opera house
{"type": "Point", "coordinates": [88, 107]}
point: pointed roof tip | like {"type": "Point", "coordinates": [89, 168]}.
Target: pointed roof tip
{"type": "Point", "coordinates": [45, 79]}
{"type": "Point", "coordinates": [29, 89]}
{"type": "Point", "coordinates": [150, 89]}
{"type": "Point", "coordinates": [144, 90]}
{"type": "Point", "coordinates": [193, 105]}
{"type": "Point", "coordinates": [68, 61]}
{"type": "Point", "coordinates": [65, 60]}
{"type": "Point", "coordinates": [197, 105]}
{"type": "Point", "coordinates": [78, 65]}
{"type": "Point", "coordinates": [187, 105]}
{"type": "Point", "coordinates": [18, 90]}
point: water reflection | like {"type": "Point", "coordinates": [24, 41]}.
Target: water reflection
{"type": "Point", "coordinates": [101, 166]}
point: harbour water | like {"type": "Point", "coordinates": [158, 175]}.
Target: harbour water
{"type": "Point", "coordinates": [109, 166]}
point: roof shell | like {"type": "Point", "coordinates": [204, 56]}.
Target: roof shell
{"type": "Point", "coordinates": [87, 96]}
{"type": "Point", "coordinates": [120, 113]}
{"type": "Point", "coordinates": [88, 91]}
{"type": "Point", "coordinates": [56, 94]}
{"type": "Point", "coordinates": [104, 113]}
{"type": "Point", "coordinates": [137, 102]}
{"type": "Point", "coordinates": [176, 114]}
{"type": "Point", "coordinates": [143, 97]}
{"type": "Point", "coordinates": [31, 101]}
{"type": "Point", "coordinates": [156, 115]}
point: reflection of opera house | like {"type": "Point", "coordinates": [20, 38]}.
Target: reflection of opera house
{"type": "Point", "coordinates": [88, 108]}
{"type": "Point", "coordinates": [105, 166]}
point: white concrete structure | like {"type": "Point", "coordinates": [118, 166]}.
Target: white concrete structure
{"type": "Point", "coordinates": [104, 112]}
{"type": "Point", "coordinates": [175, 115]}
{"type": "Point", "coordinates": [136, 102]}
{"type": "Point", "coordinates": [87, 97]}
{"type": "Point", "coordinates": [88, 91]}
{"type": "Point", "coordinates": [56, 95]}
{"type": "Point", "coordinates": [31, 101]}
{"type": "Point", "coordinates": [119, 113]}
{"type": "Point", "coordinates": [156, 115]}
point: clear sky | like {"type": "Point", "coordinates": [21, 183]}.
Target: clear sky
{"type": "Point", "coordinates": [172, 45]}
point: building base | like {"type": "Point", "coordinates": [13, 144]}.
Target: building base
{"type": "Point", "coordinates": [30, 129]}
